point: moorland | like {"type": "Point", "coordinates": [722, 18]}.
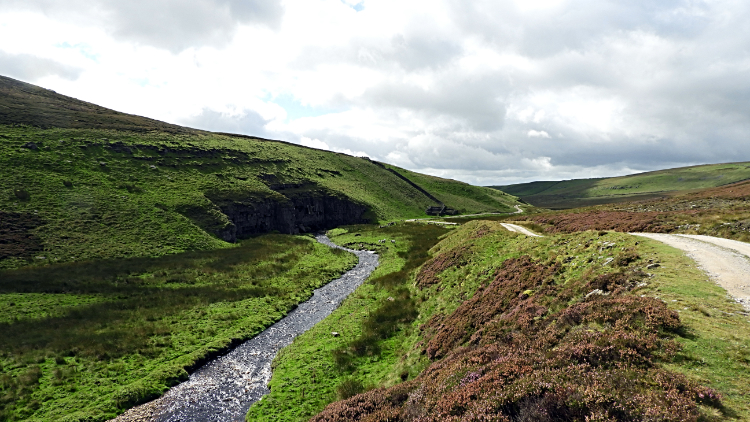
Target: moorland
{"type": "Point", "coordinates": [132, 251]}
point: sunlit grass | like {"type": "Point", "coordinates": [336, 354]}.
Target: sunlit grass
{"type": "Point", "coordinates": [97, 337]}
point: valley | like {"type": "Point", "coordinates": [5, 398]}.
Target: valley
{"type": "Point", "coordinates": [136, 255]}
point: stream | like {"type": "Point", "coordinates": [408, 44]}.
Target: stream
{"type": "Point", "coordinates": [224, 389]}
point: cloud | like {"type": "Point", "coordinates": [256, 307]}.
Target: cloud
{"type": "Point", "coordinates": [27, 67]}
{"type": "Point", "coordinates": [538, 134]}
{"type": "Point", "coordinates": [514, 90]}
{"type": "Point", "coordinates": [170, 24]}
{"type": "Point", "coordinates": [246, 122]}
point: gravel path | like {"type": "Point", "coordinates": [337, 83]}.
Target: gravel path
{"type": "Point", "coordinates": [224, 389]}
{"type": "Point", "coordinates": [519, 229]}
{"type": "Point", "coordinates": [726, 261]}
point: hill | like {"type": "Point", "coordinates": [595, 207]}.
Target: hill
{"type": "Point", "coordinates": [487, 324]}
{"type": "Point", "coordinates": [82, 182]}
{"type": "Point", "coordinates": [656, 184]}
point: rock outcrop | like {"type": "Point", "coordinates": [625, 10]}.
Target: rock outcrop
{"type": "Point", "coordinates": [302, 209]}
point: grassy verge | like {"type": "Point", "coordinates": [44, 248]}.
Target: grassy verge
{"type": "Point", "coordinates": [716, 338]}
{"type": "Point", "coordinates": [84, 341]}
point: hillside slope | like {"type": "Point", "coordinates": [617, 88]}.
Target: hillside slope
{"type": "Point", "coordinates": [80, 181]}
{"type": "Point", "coordinates": [564, 327]}
{"type": "Point", "coordinates": [584, 192]}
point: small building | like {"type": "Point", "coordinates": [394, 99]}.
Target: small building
{"type": "Point", "coordinates": [440, 210]}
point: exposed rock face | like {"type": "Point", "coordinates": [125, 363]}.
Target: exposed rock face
{"type": "Point", "coordinates": [303, 211]}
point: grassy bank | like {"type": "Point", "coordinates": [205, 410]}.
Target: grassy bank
{"type": "Point", "coordinates": [318, 368]}
{"type": "Point", "coordinates": [84, 341]}
{"type": "Point", "coordinates": [485, 292]}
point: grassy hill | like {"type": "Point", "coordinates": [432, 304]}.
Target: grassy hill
{"type": "Point", "coordinates": [133, 250]}
{"type": "Point", "coordinates": [655, 184]}
{"type": "Point", "coordinates": [82, 182]}
{"type": "Point", "coordinates": [484, 324]}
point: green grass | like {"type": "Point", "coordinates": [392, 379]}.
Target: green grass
{"type": "Point", "coordinates": [716, 339]}
{"type": "Point", "coordinates": [310, 373]}
{"type": "Point", "coordinates": [587, 192]}
{"type": "Point", "coordinates": [100, 194]}
{"type": "Point", "coordinates": [461, 196]}
{"type": "Point", "coordinates": [84, 341]}
{"type": "Point", "coordinates": [307, 374]}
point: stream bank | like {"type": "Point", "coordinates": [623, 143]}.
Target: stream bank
{"type": "Point", "coordinates": [225, 388]}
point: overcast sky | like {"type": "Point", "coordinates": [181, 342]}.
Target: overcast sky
{"type": "Point", "coordinates": [488, 92]}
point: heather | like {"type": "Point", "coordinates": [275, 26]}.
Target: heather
{"type": "Point", "coordinates": [569, 327]}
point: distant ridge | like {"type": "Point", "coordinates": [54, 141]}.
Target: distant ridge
{"type": "Point", "coordinates": [654, 184]}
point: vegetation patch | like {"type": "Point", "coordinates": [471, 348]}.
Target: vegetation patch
{"type": "Point", "coordinates": [654, 222]}
{"type": "Point", "coordinates": [87, 340]}
{"type": "Point", "coordinates": [17, 238]}
{"type": "Point", "coordinates": [428, 274]}
{"type": "Point", "coordinates": [566, 327]}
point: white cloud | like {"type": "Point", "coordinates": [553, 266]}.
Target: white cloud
{"type": "Point", "coordinates": [472, 91]}
{"type": "Point", "coordinates": [314, 143]}
{"type": "Point", "coordinates": [538, 134]}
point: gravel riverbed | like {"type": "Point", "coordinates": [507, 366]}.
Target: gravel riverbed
{"type": "Point", "coordinates": [224, 389]}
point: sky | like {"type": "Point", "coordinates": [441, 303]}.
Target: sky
{"type": "Point", "coordinates": [487, 92]}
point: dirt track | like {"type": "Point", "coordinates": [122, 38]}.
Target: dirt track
{"type": "Point", "coordinates": [519, 229]}
{"type": "Point", "coordinates": [726, 261]}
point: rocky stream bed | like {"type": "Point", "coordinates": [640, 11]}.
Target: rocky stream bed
{"type": "Point", "coordinates": [224, 389]}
